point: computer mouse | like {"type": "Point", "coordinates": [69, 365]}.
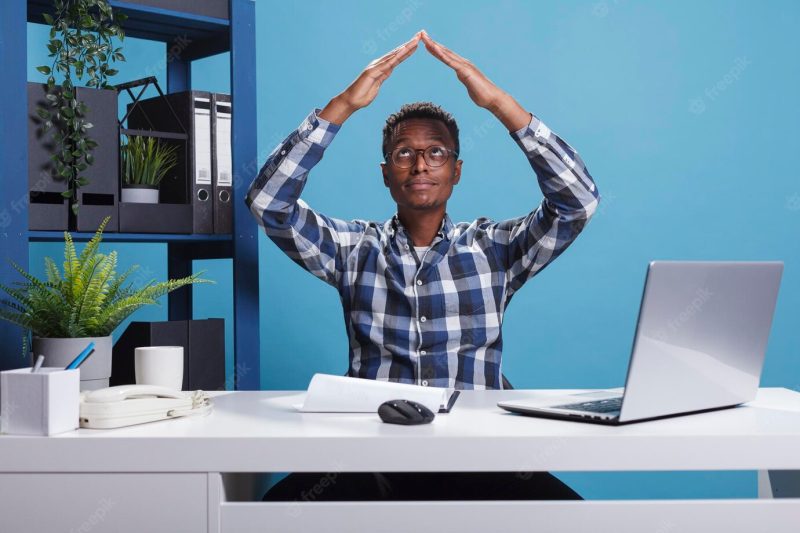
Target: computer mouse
{"type": "Point", "coordinates": [405, 412]}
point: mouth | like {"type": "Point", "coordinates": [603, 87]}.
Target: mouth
{"type": "Point", "coordinates": [420, 185]}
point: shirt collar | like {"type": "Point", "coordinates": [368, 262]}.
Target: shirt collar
{"type": "Point", "coordinates": [393, 226]}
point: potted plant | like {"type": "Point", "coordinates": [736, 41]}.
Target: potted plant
{"type": "Point", "coordinates": [82, 304]}
{"type": "Point", "coordinates": [80, 43]}
{"type": "Point", "coordinates": [145, 163]}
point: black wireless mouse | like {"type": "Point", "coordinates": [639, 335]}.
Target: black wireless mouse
{"type": "Point", "coordinates": [405, 412]}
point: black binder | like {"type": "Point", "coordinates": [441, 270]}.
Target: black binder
{"type": "Point", "coordinates": [221, 162]}
{"type": "Point", "coordinates": [194, 111]}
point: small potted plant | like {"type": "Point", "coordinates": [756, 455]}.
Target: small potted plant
{"type": "Point", "coordinates": [146, 161]}
{"type": "Point", "coordinates": [82, 304]}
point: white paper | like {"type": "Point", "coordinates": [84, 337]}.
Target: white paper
{"type": "Point", "coordinates": [340, 394]}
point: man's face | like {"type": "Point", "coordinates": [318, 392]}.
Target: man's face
{"type": "Point", "coordinates": [421, 187]}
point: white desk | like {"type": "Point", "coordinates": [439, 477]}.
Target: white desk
{"type": "Point", "coordinates": [173, 475]}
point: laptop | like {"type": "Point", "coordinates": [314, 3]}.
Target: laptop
{"type": "Point", "coordinates": [699, 345]}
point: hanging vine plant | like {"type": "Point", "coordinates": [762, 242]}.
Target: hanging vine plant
{"type": "Point", "coordinates": [80, 43]}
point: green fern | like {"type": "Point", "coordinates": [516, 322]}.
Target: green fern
{"type": "Point", "coordinates": [87, 300]}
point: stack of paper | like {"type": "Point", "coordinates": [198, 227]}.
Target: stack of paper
{"type": "Point", "coordinates": [339, 394]}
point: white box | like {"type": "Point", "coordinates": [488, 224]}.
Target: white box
{"type": "Point", "coordinates": [41, 403]}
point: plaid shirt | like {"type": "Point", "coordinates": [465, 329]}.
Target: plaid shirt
{"type": "Point", "coordinates": [433, 320]}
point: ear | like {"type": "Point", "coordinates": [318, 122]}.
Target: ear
{"type": "Point", "coordinates": [457, 172]}
{"type": "Point", "coordinates": [385, 171]}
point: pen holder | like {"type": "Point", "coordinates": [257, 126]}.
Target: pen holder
{"type": "Point", "coordinates": [39, 403]}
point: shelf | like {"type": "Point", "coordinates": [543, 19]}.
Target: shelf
{"type": "Point", "coordinates": [193, 36]}
{"type": "Point", "coordinates": [58, 236]}
{"type": "Point", "coordinates": [153, 133]}
{"type": "Point", "coordinates": [189, 33]}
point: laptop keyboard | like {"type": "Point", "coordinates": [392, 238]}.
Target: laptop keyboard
{"type": "Point", "coordinates": [597, 406]}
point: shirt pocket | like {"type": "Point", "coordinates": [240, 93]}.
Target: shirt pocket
{"type": "Point", "coordinates": [465, 296]}
{"type": "Point", "coordinates": [467, 279]}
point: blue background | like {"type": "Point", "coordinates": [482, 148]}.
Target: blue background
{"type": "Point", "coordinates": [684, 112]}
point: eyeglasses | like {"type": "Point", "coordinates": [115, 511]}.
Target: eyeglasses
{"type": "Point", "coordinates": [435, 156]}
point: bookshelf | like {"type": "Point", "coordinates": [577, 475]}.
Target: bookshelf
{"type": "Point", "coordinates": [169, 21]}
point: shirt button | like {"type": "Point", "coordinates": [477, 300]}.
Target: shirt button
{"type": "Point", "coordinates": [422, 319]}
{"type": "Point", "coordinates": [424, 382]}
{"type": "Point", "coordinates": [283, 152]}
{"type": "Point", "coordinates": [423, 352]}
{"type": "Point", "coordinates": [406, 247]}
{"type": "Point", "coordinates": [309, 127]}
{"type": "Point", "coordinates": [419, 282]}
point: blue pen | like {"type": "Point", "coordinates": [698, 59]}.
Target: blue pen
{"type": "Point", "coordinates": [81, 357]}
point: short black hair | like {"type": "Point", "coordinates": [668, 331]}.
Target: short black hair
{"type": "Point", "coordinates": [427, 110]}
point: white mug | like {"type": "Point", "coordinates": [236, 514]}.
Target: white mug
{"type": "Point", "coordinates": [159, 365]}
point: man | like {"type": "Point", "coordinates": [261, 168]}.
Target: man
{"type": "Point", "coordinates": [424, 298]}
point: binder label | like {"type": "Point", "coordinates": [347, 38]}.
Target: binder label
{"type": "Point", "coordinates": [202, 141]}
{"type": "Point", "coordinates": [224, 160]}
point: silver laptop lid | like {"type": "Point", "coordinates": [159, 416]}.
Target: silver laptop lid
{"type": "Point", "coordinates": [701, 336]}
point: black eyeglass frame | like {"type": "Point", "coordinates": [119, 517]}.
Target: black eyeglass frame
{"type": "Point", "coordinates": [390, 156]}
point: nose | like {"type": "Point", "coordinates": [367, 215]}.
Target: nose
{"type": "Point", "coordinates": [420, 165]}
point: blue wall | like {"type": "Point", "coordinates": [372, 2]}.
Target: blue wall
{"type": "Point", "coordinates": [684, 112]}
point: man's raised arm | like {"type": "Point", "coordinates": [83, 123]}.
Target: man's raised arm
{"type": "Point", "coordinates": [530, 243]}
{"type": "Point", "coordinates": [314, 241]}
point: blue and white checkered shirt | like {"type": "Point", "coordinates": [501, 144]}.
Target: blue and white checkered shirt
{"type": "Point", "coordinates": [433, 320]}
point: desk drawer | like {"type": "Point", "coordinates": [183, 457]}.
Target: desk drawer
{"type": "Point", "coordinates": [104, 502]}
{"type": "Point", "coordinates": [659, 516]}
{"type": "Point", "coordinates": [232, 510]}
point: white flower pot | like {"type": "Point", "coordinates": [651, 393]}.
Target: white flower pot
{"type": "Point", "coordinates": [140, 195]}
{"type": "Point", "coordinates": [95, 371]}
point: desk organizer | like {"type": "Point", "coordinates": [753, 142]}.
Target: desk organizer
{"type": "Point", "coordinates": [40, 403]}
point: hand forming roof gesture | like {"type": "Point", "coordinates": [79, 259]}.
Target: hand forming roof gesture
{"type": "Point", "coordinates": [481, 90]}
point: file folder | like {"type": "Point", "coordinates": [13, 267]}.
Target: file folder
{"type": "Point", "coordinates": [200, 146]}
{"type": "Point", "coordinates": [193, 185]}
{"type": "Point", "coordinates": [222, 163]}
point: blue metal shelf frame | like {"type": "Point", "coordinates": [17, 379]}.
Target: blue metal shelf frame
{"type": "Point", "coordinates": [14, 164]}
{"type": "Point", "coordinates": [199, 37]}
{"type": "Point", "coordinates": [58, 236]}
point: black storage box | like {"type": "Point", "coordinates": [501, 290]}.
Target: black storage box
{"type": "Point", "coordinates": [155, 218]}
{"type": "Point", "coordinates": [48, 210]}
{"type": "Point", "coordinates": [203, 344]}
